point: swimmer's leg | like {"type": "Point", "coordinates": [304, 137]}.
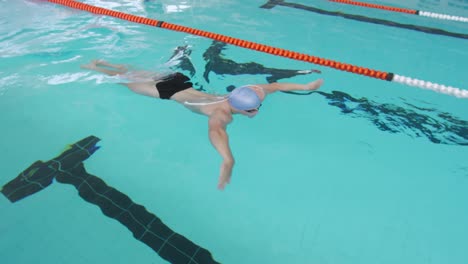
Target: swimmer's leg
{"type": "Point", "coordinates": [147, 88]}
{"type": "Point", "coordinates": [143, 88]}
{"type": "Point", "coordinates": [121, 67]}
{"type": "Point", "coordinates": [109, 69]}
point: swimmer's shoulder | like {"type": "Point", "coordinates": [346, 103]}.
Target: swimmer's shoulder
{"type": "Point", "coordinates": [220, 114]}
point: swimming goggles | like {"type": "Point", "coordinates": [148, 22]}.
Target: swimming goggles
{"type": "Point", "coordinates": [253, 110]}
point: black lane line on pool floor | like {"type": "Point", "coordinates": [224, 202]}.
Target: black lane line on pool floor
{"type": "Point", "coordinates": [146, 227]}
{"type": "Point", "coordinates": [273, 3]}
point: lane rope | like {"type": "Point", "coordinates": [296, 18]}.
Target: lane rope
{"type": "Point", "coordinates": [388, 76]}
{"type": "Point", "coordinates": [403, 10]}
{"type": "Point", "coordinates": [378, 21]}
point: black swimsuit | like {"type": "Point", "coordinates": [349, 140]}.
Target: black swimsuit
{"type": "Point", "coordinates": [173, 84]}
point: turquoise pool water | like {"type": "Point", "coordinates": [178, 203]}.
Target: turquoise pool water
{"type": "Point", "coordinates": [366, 171]}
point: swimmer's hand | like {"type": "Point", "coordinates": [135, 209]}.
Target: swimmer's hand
{"type": "Point", "coordinates": [313, 85]}
{"type": "Point", "coordinates": [225, 174]}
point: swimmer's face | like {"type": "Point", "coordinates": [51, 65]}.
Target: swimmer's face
{"type": "Point", "coordinates": [252, 112]}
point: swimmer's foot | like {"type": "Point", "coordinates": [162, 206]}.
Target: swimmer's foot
{"type": "Point", "coordinates": [314, 85]}
{"type": "Point", "coordinates": [90, 66]}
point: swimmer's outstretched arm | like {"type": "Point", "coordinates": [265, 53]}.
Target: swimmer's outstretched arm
{"type": "Point", "coordinates": [219, 139]}
{"type": "Point", "coordinates": [274, 87]}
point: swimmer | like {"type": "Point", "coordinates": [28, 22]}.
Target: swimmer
{"type": "Point", "coordinates": [245, 100]}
